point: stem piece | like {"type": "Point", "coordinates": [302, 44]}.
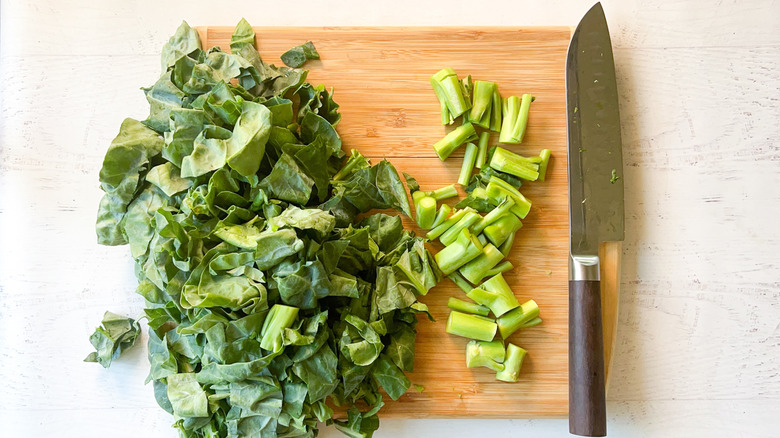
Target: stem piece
{"type": "Point", "coordinates": [465, 222]}
{"type": "Point", "coordinates": [503, 208]}
{"type": "Point", "coordinates": [454, 139]}
{"type": "Point", "coordinates": [499, 231]}
{"type": "Point", "coordinates": [460, 282]}
{"type": "Point", "coordinates": [526, 315]}
{"type": "Point", "coordinates": [442, 215]}
{"type": "Point", "coordinates": [475, 270]}
{"type": "Point", "coordinates": [471, 326]}
{"type": "Point", "coordinates": [482, 148]}
{"type": "Point", "coordinates": [463, 250]}
{"type": "Point", "coordinates": [545, 156]}
{"type": "Point", "coordinates": [469, 158]}
{"type": "Point", "coordinates": [512, 363]}
{"type": "Point", "coordinates": [426, 212]}
{"type": "Point", "coordinates": [438, 230]}
{"type": "Point", "coordinates": [279, 318]}
{"type": "Point", "coordinates": [514, 164]}
{"type": "Point", "coordinates": [495, 111]}
{"type": "Point", "coordinates": [496, 294]}
{"type": "Point", "coordinates": [500, 268]}
{"type": "Point", "coordinates": [467, 307]}
{"type": "Point", "coordinates": [485, 354]}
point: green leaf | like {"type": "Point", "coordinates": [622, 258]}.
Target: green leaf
{"type": "Point", "coordinates": [304, 219]}
{"type": "Point", "coordinates": [186, 396]}
{"type": "Point", "coordinates": [391, 292]}
{"type": "Point", "coordinates": [182, 43]}
{"type": "Point", "coordinates": [401, 347]}
{"type": "Point", "coordinates": [115, 335]}
{"type": "Point", "coordinates": [361, 345]}
{"type": "Point", "coordinates": [319, 373]}
{"type": "Point", "coordinates": [120, 177]}
{"type": "Point", "coordinates": [184, 127]}
{"type": "Point", "coordinates": [390, 377]}
{"type": "Point", "coordinates": [209, 152]}
{"type": "Point", "coordinates": [302, 284]}
{"type": "Point", "coordinates": [377, 187]}
{"type": "Point", "coordinates": [275, 246]}
{"type": "Point", "coordinates": [168, 179]}
{"type": "Point", "coordinates": [288, 182]}
{"type": "Point", "coordinates": [247, 145]}
{"type": "Point", "coordinates": [163, 97]}
{"type": "Point", "coordinates": [298, 55]}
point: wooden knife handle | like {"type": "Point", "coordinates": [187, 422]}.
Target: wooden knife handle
{"type": "Point", "coordinates": [587, 399]}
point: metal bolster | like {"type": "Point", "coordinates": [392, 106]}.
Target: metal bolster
{"type": "Point", "coordinates": [584, 268]}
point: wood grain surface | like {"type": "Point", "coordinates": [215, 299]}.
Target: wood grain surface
{"type": "Point", "coordinates": [380, 77]}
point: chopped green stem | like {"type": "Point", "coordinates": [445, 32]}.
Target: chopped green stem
{"type": "Point", "coordinates": [514, 164]}
{"type": "Point", "coordinates": [464, 223]}
{"type": "Point", "coordinates": [471, 326]}
{"type": "Point", "coordinates": [460, 282]}
{"type": "Point", "coordinates": [496, 294]}
{"type": "Point", "coordinates": [485, 354]}
{"type": "Point", "coordinates": [467, 307]}
{"type": "Point", "coordinates": [443, 193]}
{"type": "Point", "coordinates": [524, 316]}
{"type": "Point", "coordinates": [482, 100]}
{"type": "Point", "coordinates": [512, 363]}
{"type": "Point", "coordinates": [484, 122]}
{"type": "Point", "coordinates": [467, 86]}
{"type": "Point", "coordinates": [454, 139]}
{"type": "Point", "coordinates": [505, 207]}
{"type": "Point", "coordinates": [469, 158]}
{"type": "Point", "coordinates": [446, 225]}
{"type": "Point", "coordinates": [426, 212]}
{"type": "Point", "coordinates": [482, 149]}
{"type": "Point", "coordinates": [545, 156]}
{"type": "Point", "coordinates": [511, 108]}
{"type": "Point", "coordinates": [497, 190]}
{"type": "Point", "coordinates": [442, 215]}
{"type": "Point", "coordinates": [482, 239]}
{"type": "Point", "coordinates": [475, 270]}
{"type": "Point", "coordinates": [446, 116]}
{"type": "Point", "coordinates": [463, 250]}
{"type": "Point", "coordinates": [495, 112]}
{"type": "Point", "coordinates": [451, 90]}
{"type": "Point", "coordinates": [279, 318]}
{"type": "Point", "coordinates": [439, 194]}
{"type": "Point", "coordinates": [500, 268]}
{"type": "Point", "coordinates": [499, 231]}
{"type": "Point", "coordinates": [506, 247]}
{"type": "Point", "coordinates": [518, 130]}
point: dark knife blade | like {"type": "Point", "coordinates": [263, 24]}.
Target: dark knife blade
{"type": "Point", "coordinates": [596, 212]}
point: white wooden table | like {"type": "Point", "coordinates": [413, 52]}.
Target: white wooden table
{"type": "Point", "coordinates": [698, 345]}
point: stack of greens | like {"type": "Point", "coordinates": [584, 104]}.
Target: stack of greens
{"type": "Point", "coordinates": [267, 300]}
{"type": "Point", "coordinates": [475, 245]}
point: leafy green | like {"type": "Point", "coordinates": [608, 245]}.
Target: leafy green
{"type": "Point", "coordinates": [120, 177]}
{"type": "Point", "coordinates": [298, 55]}
{"type": "Point", "coordinates": [376, 187]}
{"type": "Point", "coordinates": [267, 300]}
{"type": "Point", "coordinates": [186, 396]}
{"type": "Point", "coordinates": [116, 334]}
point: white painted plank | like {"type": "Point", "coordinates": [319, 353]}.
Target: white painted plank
{"type": "Point", "coordinates": [117, 27]}
{"type": "Point", "coordinates": [635, 419]}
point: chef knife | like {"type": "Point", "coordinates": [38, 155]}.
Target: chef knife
{"type": "Point", "coordinates": [595, 210]}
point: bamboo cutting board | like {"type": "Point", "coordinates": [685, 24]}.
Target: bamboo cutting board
{"type": "Point", "coordinates": [380, 77]}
